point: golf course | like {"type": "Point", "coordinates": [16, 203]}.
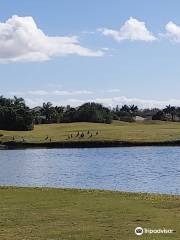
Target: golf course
{"type": "Point", "coordinates": [62, 214]}
{"type": "Point", "coordinates": [155, 132]}
{"type": "Point", "coordinates": [57, 214]}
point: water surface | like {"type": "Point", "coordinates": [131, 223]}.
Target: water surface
{"type": "Point", "coordinates": [140, 169]}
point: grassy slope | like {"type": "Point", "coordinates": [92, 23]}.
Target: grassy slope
{"type": "Point", "coordinates": [152, 131]}
{"type": "Point", "coordinates": [54, 214]}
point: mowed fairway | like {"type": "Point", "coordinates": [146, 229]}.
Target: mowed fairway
{"type": "Point", "coordinates": [142, 131]}
{"type": "Point", "coordinates": [61, 214]}
{"type": "Point", "coordinates": [81, 214]}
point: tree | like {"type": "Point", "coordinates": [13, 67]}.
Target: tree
{"type": "Point", "coordinates": [15, 115]}
{"type": "Point", "coordinates": [133, 109]}
{"type": "Point", "coordinates": [171, 110]}
{"type": "Point", "coordinates": [125, 108]}
{"type": "Point", "coordinates": [88, 112]}
{"type": "Point", "coordinates": [160, 115]}
{"type": "Point", "coordinates": [126, 113]}
{"type": "Point", "coordinates": [48, 111]}
{"type": "Point", "coordinates": [19, 102]}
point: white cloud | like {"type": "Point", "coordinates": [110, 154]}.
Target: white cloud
{"type": "Point", "coordinates": [106, 101]}
{"type": "Point", "coordinates": [37, 92]}
{"type": "Point", "coordinates": [34, 102]}
{"type": "Point", "coordinates": [172, 31]}
{"type": "Point", "coordinates": [22, 40]}
{"type": "Point", "coordinates": [77, 97]}
{"type": "Point", "coordinates": [75, 102]}
{"type": "Point", "coordinates": [16, 93]}
{"type": "Point", "coordinates": [68, 93]}
{"type": "Point", "coordinates": [51, 93]}
{"type": "Point", "coordinates": [114, 90]}
{"type": "Point", "coordinates": [141, 103]}
{"type": "Point", "coordinates": [88, 32]}
{"type": "Point", "coordinates": [133, 30]}
{"type": "Point", "coordinates": [105, 48]}
{"type": "Point", "coordinates": [39, 101]}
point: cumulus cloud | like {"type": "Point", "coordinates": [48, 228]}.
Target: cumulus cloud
{"type": "Point", "coordinates": [33, 101]}
{"type": "Point", "coordinates": [141, 103]}
{"type": "Point", "coordinates": [173, 31]}
{"type": "Point", "coordinates": [22, 40]}
{"type": "Point", "coordinates": [133, 30]}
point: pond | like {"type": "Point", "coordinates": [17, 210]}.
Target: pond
{"type": "Point", "coordinates": [133, 169]}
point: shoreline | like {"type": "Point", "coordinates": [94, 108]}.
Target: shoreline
{"type": "Point", "coordinates": [93, 190]}
{"type": "Point", "coordinates": [90, 190]}
{"type": "Point", "coordinates": [87, 144]}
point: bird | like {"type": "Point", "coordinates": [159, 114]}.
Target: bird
{"type": "Point", "coordinates": [88, 132]}
{"type": "Point", "coordinates": [46, 137]}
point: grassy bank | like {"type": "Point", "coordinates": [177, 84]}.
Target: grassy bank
{"type": "Point", "coordinates": [145, 131]}
{"type": "Point", "coordinates": [54, 214]}
{"type": "Point", "coordinates": [153, 131]}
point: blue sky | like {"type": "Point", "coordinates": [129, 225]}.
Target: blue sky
{"type": "Point", "coordinates": [95, 65]}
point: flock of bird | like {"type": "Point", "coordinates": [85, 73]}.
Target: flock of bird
{"type": "Point", "coordinates": [82, 134]}
{"type": "Point", "coordinates": [78, 134]}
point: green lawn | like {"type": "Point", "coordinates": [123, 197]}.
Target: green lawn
{"type": "Point", "coordinates": [147, 131]}
{"type": "Point", "coordinates": [60, 214]}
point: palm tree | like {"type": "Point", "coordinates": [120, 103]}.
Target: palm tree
{"type": "Point", "coordinates": [125, 108]}
{"type": "Point", "coordinates": [171, 110]}
{"type": "Point", "coordinates": [19, 102]}
{"type": "Point", "coordinates": [47, 110]}
{"type": "Point", "coordinates": [133, 109]}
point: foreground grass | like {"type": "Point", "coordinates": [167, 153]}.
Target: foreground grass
{"type": "Point", "coordinates": [60, 214]}
{"type": "Point", "coordinates": [142, 132]}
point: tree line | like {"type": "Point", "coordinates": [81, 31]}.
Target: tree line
{"type": "Point", "coordinates": [16, 115]}
{"type": "Point", "coordinates": [87, 112]}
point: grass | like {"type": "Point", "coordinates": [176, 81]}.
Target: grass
{"type": "Point", "coordinates": [63, 214]}
{"type": "Point", "coordinates": [142, 132]}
